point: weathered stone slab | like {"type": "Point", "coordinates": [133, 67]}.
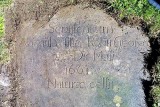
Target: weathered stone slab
{"type": "Point", "coordinates": [81, 58]}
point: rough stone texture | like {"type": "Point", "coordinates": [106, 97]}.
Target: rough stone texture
{"type": "Point", "coordinates": [80, 57]}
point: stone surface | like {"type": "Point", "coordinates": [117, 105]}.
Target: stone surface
{"type": "Point", "coordinates": [81, 58]}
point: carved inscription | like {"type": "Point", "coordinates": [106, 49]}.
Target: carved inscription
{"type": "Point", "coordinates": [67, 47]}
{"type": "Point", "coordinates": [75, 58]}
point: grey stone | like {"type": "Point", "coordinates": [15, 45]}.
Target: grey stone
{"type": "Point", "coordinates": [81, 58]}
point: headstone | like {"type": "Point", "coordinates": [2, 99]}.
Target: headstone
{"type": "Point", "coordinates": [81, 58]}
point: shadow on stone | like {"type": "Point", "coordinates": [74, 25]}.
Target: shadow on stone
{"type": "Point", "coordinates": [150, 62]}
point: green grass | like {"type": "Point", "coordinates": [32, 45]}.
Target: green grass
{"type": "Point", "coordinates": [156, 88]}
{"type": "Point", "coordinates": [1, 26]}
{"type": "Point", "coordinates": [156, 94]}
{"type": "Point", "coordinates": [5, 3]}
{"type": "Point", "coordinates": [4, 53]}
{"type": "Point", "coordinates": [141, 9]}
